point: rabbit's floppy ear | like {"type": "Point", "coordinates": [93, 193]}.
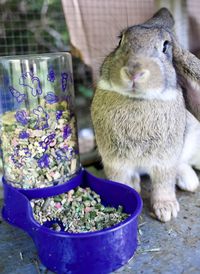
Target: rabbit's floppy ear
{"type": "Point", "coordinates": [186, 64]}
{"type": "Point", "coordinates": [187, 68]}
{"type": "Point", "coordinates": [162, 18]}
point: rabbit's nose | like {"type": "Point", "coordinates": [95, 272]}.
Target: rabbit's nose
{"type": "Point", "coordinates": [136, 75]}
{"type": "Point", "coordinates": [140, 76]}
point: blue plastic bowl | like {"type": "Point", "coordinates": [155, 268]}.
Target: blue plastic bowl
{"type": "Point", "coordinates": [92, 252]}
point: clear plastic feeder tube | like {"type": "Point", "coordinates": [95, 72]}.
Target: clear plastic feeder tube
{"type": "Point", "coordinates": [38, 125]}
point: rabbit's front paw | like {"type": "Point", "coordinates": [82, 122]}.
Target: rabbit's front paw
{"type": "Point", "coordinates": [165, 210]}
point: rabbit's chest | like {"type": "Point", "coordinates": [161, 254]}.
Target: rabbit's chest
{"type": "Point", "coordinates": [132, 129]}
{"type": "Point", "coordinates": [149, 128]}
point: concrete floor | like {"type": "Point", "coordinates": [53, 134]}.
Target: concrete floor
{"type": "Point", "coordinates": [171, 248]}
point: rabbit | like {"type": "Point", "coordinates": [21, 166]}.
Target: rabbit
{"type": "Point", "coordinates": [144, 121]}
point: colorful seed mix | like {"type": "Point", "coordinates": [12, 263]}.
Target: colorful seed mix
{"type": "Point", "coordinates": [40, 145]}
{"type": "Point", "coordinates": [76, 211]}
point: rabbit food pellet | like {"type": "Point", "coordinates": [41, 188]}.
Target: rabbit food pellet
{"type": "Point", "coordinates": [76, 211]}
{"type": "Point", "coordinates": [40, 145]}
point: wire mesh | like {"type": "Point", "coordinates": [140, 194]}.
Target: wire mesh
{"type": "Point", "coordinates": [32, 27]}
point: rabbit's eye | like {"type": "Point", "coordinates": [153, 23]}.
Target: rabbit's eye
{"type": "Point", "coordinates": [166, 45]}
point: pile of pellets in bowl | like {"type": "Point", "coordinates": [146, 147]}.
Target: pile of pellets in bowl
{"type": "Point", "coordinates": [79, 210]}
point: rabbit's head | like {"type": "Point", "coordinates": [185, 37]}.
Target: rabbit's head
{"type": "Point", "coordinates": [148, 63]}
{"type": "Point", "coordinates": [141, 66]}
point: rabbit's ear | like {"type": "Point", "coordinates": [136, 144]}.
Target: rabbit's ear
{"type": "Point", "coordinates": [162, 18]}
{"type": "Point", "coordinates": [188, 73]}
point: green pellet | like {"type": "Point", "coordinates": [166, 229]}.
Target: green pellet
{"type": "Point", "coordinates": [76, 212]}
{"type": "Point", "coordinates": [23, 155]}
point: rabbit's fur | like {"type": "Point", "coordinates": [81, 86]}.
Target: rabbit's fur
{"type": "Point", "coordinates": [139, 115]}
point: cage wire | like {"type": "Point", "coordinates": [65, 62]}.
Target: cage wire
{"type": "Point", "coordinates": [32, 27]}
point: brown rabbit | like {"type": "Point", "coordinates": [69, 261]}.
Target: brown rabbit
{"type": "Point", "coordinates": [139, 114]}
